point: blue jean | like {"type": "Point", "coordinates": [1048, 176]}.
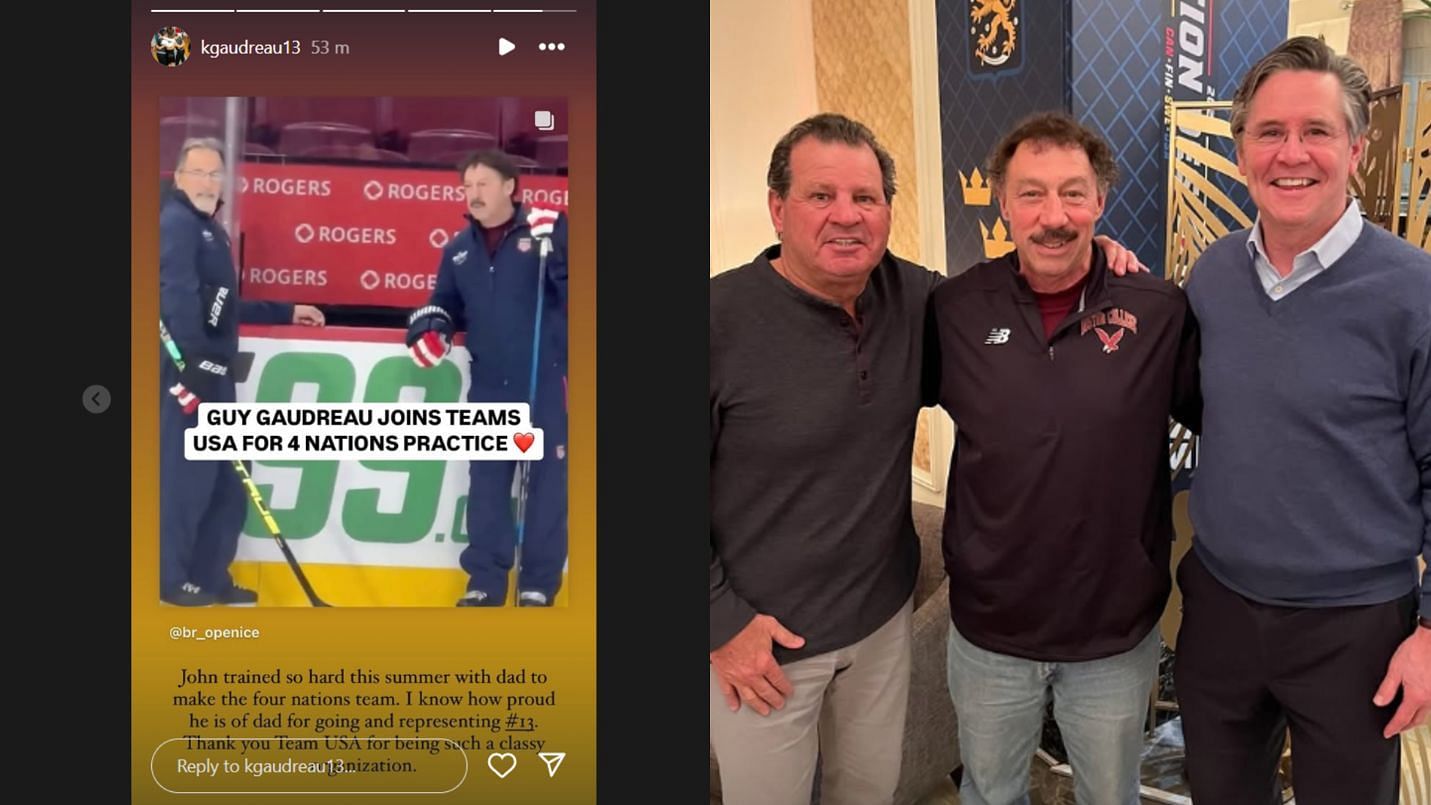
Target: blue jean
{"type": "Point", "coordinates": [1101, 707]}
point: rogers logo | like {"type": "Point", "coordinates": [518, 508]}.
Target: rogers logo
{"type": "Point", "coordinates": [554, 198]}
{"type": "Point", "coordinates": [369, 279]}
{"type": "Point", "coordinates": [243, 184]}
{"type": "Point", "coordinates": [357, 234]}
{"type": "Point", "coordinates": [439, 238]}
{"type": "Point", "coordinates": [274, 186]}
{"type": "Point", "coordinates": [423, 192]}
{"type": "Point", "coordinates": [407, 282]}
{"type": "Point", "coordinates": [303, 233]}
{"type": "Point", "coordinates": [373, 190]}
{"type": "Point", "coordinates": [291, 277]}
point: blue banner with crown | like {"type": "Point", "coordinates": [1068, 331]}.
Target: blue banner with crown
{"type": "Point", "coordinates": [999, 60]}
{"type": "Point", "coordinates": [1112, 64]}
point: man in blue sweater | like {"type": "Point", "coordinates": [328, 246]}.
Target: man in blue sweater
{"type": "Point", "coordinates": [1312, 498]}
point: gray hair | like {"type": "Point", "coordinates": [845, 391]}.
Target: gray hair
{"type": "Point", "coordinates": [198, 143]}
{"type": "Point", "coordinates": [1312, 54]}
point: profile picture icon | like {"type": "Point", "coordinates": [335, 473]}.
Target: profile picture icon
{"type": "Point", "coordinates": [170, 46]}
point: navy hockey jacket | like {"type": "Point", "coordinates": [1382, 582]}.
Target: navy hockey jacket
{"type": "Point", "coordinates": [198, 284]}
{"type": "Point", "coordinates": [493, 298]}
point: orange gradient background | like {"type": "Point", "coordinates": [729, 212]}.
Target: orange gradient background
{"type": "Point", "coordinates": [440, 55]}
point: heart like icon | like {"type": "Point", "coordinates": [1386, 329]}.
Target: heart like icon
{"type": "Point", "coordinates": [523, 441]}
{"type": "Point", "coordinates": [495, 762]}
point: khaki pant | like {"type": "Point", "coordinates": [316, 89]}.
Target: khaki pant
{"type": "Point", "coordinates": [848, 709]}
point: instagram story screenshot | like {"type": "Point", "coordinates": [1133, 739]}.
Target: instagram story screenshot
{"type": "Point", "coordinates": [363, 554]}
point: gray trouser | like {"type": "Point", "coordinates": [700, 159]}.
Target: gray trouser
{"type": "Point", "coordinates": [848, 708]}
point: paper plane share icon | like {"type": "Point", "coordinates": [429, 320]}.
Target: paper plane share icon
{"type": "Point", "coordinates": [553, 761]}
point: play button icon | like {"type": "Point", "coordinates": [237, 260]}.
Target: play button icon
{"type": "Point", "coordinates": [505, 46]}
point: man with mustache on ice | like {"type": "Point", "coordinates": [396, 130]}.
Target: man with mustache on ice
{"type": "Point", "coordinates": [502, 281]}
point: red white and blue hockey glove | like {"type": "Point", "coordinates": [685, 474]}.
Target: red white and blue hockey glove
{"type": "Point", "coordinates": [198, 380]}
{"type": "Point", "coordinates": [429, 335]}
{"type": "Point", "coordinates": [186, 398]}
{"type": "Point", "coordinates": [542, 221]}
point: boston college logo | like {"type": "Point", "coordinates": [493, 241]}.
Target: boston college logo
{"type": "Point", "coordinates": [1114, 317]}
{"type": "Point", "coordinates": [1110, 343]}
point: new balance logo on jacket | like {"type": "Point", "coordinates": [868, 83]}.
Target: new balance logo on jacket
{"type": "Point", "coordinates": [998, 335]}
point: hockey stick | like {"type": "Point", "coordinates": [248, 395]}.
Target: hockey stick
{"type": "Point", "coordinates": [544, 250]}
{"type": "Point", "coordinates": [253, 493]}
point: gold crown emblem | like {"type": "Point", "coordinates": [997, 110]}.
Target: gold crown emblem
{"type": "Point", "coordinates": [976, 189]}
{"type": "Point", "coordinates": [996, 240]}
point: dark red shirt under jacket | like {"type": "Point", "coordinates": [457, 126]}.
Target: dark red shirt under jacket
{"type": "Point", "coordinates": [1059, 523]}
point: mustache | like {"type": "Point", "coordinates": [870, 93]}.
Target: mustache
{"type": "Point", "coordinates": [1051, 235]}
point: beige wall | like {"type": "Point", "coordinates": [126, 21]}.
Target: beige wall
{"type": "Point", "coordinates": [1327, 19]}
{"type": "Point", "coordinates": [862, 70]}
{"type": "Point", "coordinates": [874, 60]}
{"type": "Point", "coordinates": [762, 82]}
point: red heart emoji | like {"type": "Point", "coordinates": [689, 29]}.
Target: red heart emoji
{"type": "Point", "coordinates": [524, 440]}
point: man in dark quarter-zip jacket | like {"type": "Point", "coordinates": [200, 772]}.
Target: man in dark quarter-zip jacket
{"type": "Point", "coordinates": [1060, 378]}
